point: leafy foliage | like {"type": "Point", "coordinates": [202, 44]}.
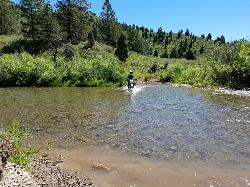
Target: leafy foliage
{"type": "Point", "coordinates": [91, 40]}
{"type": "Point", "coordinates": [21, 155]}
{"type": "Point", "coordinates": [9, 18]}
{"type": "Point", "coordinates": [231, 71]}
{"type": "Point", "coordinates": [71, 69]}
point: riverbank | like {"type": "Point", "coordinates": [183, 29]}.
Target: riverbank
{"type": "Point", "coordinates": [44, 172]}
{"type": "Point", "coordinates": [220, 90]}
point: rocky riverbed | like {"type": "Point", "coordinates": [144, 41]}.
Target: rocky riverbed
{"type": "Point", "coordinates": [241, 93]}
{"type": "Point", "coordinates": [44, 172]}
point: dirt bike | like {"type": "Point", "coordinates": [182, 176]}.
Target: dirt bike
{"type": "Point", "coordinates": [131, 83]}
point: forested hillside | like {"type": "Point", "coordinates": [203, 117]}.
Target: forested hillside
{"type": "Point", "coordinates": [67, 44]}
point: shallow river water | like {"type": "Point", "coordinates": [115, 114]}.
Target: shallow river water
{"type": "Point", "coordinates": [155, 135]}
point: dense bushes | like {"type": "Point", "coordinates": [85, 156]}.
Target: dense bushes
{"type": "Point", "coordinates": [230, 70]}
{"type": "Point", "coordinates": [75, 65]}
{"type": "Point", "coordinates": [210, 74]}
{"type": "Point", "coordinates": [26, 70]}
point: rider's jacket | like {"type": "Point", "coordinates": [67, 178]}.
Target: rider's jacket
{"type": "Point", "coordinates": [131, 76]}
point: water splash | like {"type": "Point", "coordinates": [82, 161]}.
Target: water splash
{"type": "Point", "coordinates": [133, 91]}
{"type": "Point", "coordinates": [137, 89]}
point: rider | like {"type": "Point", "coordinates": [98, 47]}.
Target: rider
{"type": "Point", "coordinates": [130, 77]}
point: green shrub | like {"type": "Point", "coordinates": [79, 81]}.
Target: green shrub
{"type": "Point", "coordinates": [69, 51]}
{"type": "Point", "coordinates": [26, 70]}
{"type": "Point", "coordinates": [76, 66]}
{"type": "Point", "coordinates": [21, 155]}
{"type": "Point", "coordinates": [173, 72]}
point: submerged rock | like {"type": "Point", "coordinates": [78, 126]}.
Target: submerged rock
{"type": "Point", "coordinates": [100, 167]}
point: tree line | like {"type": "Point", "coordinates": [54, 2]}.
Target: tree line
{"type": "Point", "coordinates": [71, 21]}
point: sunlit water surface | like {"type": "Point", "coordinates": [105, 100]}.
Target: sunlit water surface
{"type": "Point", "coordinates": [154, 121]}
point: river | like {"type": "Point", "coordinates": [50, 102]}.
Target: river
{"type": "Point", "coordinates": [155, 135]}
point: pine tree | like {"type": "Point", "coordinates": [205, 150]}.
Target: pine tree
{"type": "Point", "coordinates": [31, 18]}
{"type": "Point", "coordinates": [73, 19]}
{"type": "Point", "coordinates": [181, 49]}
{"type": "Point", "coordinates": [190, 44]}
{"type": "Point", "coordinates": [156, 53]}
{"type": "Point", "coordinates": [185, 44]}
{"type": "Point", "coordinates": [145, 34]}
{"type": "Point", "coordinates": [179, 35]}
{"type": "Point", "coordinates": [209, 36]}
{"type": "Point", "coordinates": [190, 55]}
{"type": "Point", "coordinates": [170, 34]}
{"type": "Point", "coordinates": [150, 34]}
{"type": "Point", "coordinates": [108, 22]}
{"type": "Point", "coordinates": [122, 48]}
{"type": "Point", "coordinates": [39, 24]}
{"type": "Point", "coordinates": [187, 33]}
{"type": "Point", "coordinates": [91, 40]}
{"type": "Point", "coordinates": [160, 35]}
{"type": "Point", "coordinates": [50, 29]}
{"type": "Point", "coordinates": [55, 39]}
{"type": "Point", "coordinates": [155, 38]}
{"type": "Point", "coordinates": [203, 36]}
{"type": "Point", "coordinates": [165, 54]}
{"type": "Point", "coordinates": [222, 40]}
{"type": "Point", "coordinates": [135, 41]}
{"type": "Point", "coordinates": [166, 41]}
{"type": "Point", "coordinates": [202, 50]}
{"type": "Point", "coordinates": [9, 18]}
{"type": "Point", "coordinates": [173, 53]}
{"type": "Point", "coordinates": [96, 32]}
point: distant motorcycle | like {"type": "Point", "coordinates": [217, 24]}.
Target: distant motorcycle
{"type": "Point", "coordinates": [131, 83]}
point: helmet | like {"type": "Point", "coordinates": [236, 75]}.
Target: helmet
{"type": "Point", "coordinates": [131, 71]}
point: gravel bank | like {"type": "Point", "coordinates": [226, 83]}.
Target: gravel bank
{"type": "Point", "coordinates": [242, 93]}
{"type": "Point", "coordinates": [14, 175]}
{"type": "Point", "coordinates": [44, 173]}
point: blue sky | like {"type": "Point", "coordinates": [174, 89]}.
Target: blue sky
{"type": "Point", "coordinates": [228, 17]}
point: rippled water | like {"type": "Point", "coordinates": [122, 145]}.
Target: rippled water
{"type": "Point", "coordinates": [155, 121]}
